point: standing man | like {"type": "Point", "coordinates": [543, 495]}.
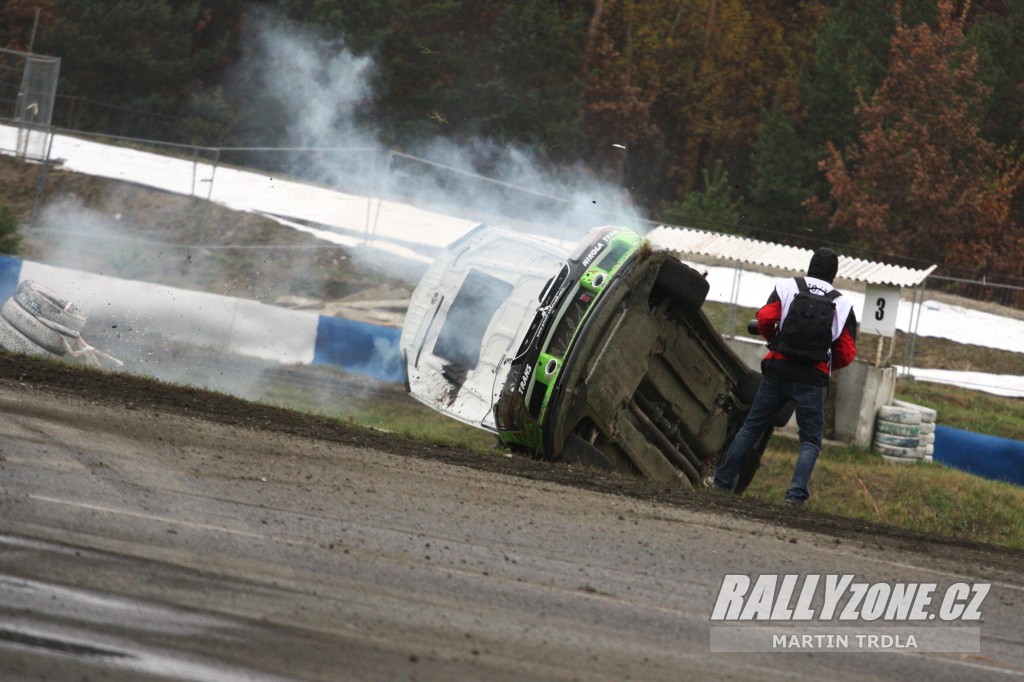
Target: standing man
{"type": "Point", "coordinates": [811, 331]}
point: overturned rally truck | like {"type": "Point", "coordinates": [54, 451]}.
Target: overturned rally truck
{"type": "Point", "coordinates": [599, 356]}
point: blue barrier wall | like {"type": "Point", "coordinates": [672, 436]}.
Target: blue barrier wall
{"type": "Point", "coordinates": [10, 272]}
{"type": "Point", "coordinates": [359, 347]}
{"type": "Point", "coordinates": [1000, 459]}
{"type": "Point", "coordinates": [354, 346]}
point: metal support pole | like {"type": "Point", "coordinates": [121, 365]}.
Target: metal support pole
{"type": "Point", "coordinates": [35, 27]}
{"type": "Point", "coordinates": [41, 180]}
{"type": "Point", "coordinates": [213, 173]}
{"type": "Point", "coordinates": [195, 170]}
{"type": "Point", "coordinates": [369, 199]}
{"type": "Point", "coordinates": [209, 194]}
{"type": "Point", "coordinates": [730, 328]}
{"type": "Point", "coordinates": [909, 360]}
{"type": "Point", "coordinates": [380, 200]}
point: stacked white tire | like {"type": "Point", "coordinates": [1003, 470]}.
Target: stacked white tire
{"type": "Point", "coordinates": [926, 447]}
{"type": "Point", "coordinates": [905, 432]}
{"type": "Point", "coordinates": [897, 434]}
{"type": "Point", "coordinates": [37, 321]}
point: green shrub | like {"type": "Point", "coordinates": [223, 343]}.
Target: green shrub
{"type": "Point", "coordinates": [9, 239]}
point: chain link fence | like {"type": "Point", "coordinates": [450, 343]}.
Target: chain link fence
{"type": "Point", "coordinates": [28, 89]}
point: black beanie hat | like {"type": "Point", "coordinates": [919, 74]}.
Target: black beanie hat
{"type": "Point", "coordinates": [824, 265]}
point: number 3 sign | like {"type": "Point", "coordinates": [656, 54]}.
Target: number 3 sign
{"type": "Point", "coordinates": [880, 305]}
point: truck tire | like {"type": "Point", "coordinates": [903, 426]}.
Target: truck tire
{"type": "Point", "coordinates": [578, 451]}
{"type": "Point", "coordinates": [686, 286]}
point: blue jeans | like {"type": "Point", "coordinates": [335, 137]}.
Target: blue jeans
{"type": "Point", "coordinates": [772, 395]}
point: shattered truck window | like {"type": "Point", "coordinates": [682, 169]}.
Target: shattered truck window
{"type": "Point", "coordinates": [468, 318]}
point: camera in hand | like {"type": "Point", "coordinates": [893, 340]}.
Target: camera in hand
{"type": "Point", "coordinates": [752, 327]}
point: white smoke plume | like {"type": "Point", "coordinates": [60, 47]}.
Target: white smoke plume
{"type": "Point", "coordinates": [322, 86]}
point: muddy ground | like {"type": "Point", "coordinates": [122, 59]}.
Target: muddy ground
{"type": "Point", "coordinates": [133, 393]}
{"type": "Point", "coordinates": [153, 532]}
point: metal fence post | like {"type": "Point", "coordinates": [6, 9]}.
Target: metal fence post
{"type": "Point", "coordinates": [385, 177]}
{"type": "Point", "coordinates": [730, 329]}
{"type": "Point", "coordinates": [41, 180]}
{"type": "Point", "coordinates": [908, 356]}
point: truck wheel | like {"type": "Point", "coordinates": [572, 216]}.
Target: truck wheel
{"type": "Point", "coordinates": [686, 286]}
{"type": "Point", "coordinates": [579, 451]}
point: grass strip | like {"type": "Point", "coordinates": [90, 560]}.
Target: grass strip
{"type": "Point", "coordinates": [923, 497]}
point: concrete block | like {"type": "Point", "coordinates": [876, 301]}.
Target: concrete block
{"type": "Point", "coordinates": [860, 390]}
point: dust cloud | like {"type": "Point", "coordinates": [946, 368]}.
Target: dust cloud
{"type": "Point", "coordinates": [322, 88]}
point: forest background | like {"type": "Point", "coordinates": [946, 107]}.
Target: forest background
{"type": "Point", "coordinates": [893, 129]}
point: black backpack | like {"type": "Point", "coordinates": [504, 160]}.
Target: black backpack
{"type": "Point", "coordinates": [806, 334]}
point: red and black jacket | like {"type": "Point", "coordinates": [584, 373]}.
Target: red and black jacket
{"type": "Point", "coordinates": [844, 336]}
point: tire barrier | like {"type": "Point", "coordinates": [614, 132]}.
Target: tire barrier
{"type": "Point", "coordinates": [928, 415]}
{"type": "Point", "coordinates": [13, 340]}
{"type": "Point", "coordinates": [37, 321]}
{"type": "Point", "coordinates": [905, 432]}
{"type": "Point", "coordinates": [899, 415]}
{"type": "Point", "coordinates": [892, 428]}
{"type": "Point", "coordinates": [49, 308]}
{"type": "Point", "coordinates": [35, 328]}
{"type": "Point", "coordinates": [899, 460]}
{"type": "Point", "coordinates": [897, 451]}
{"type": "Point", "coordinates": [897, 434]}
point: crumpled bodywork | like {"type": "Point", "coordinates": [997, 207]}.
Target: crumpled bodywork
{"type": "Point", "coordinates": [467, 317]}
{"type": "Point", "coordinates": [599, 356]}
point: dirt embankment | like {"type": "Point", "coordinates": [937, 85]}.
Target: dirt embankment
{"type": "Point", "coordinates": [134, 232]}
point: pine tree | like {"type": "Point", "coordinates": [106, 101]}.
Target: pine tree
{"type": "Point", "coordinates": [920, 180]}
{"type": "Point", "coordinates": [848, 63]}
{"type": "Point", "coordinates": [998, 34]}
{"type": "Point", "coordinates": [143, 61]}
{"type": "Point", "coordinates": [17, 19]}
{"type": "Point", "coordinates": [714, 208]}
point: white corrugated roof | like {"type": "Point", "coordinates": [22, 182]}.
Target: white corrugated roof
{"type": "Point", "coordinates": [685, 240]}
